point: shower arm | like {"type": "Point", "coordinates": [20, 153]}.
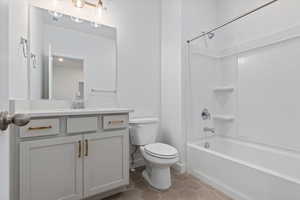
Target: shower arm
{"type": "Point", "coordinates": [231, 21]}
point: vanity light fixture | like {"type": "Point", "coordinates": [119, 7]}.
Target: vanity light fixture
{"type": "Point", "coordinates": [81, 3]}
{"type": "Point", "coordinates": [97, 4]}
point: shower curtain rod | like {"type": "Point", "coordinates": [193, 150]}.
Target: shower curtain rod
{"type": "Point", "coordinates": [233, 20]}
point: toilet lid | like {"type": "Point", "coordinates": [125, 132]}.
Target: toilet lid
{"type": "Point", "coordinates": [161, 150]}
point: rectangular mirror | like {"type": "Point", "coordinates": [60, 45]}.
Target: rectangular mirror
{"type": "Point", "coordinates": [70, 57]}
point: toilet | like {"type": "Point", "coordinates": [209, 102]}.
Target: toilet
{"type": "Point", "coordinates": [158, 157]}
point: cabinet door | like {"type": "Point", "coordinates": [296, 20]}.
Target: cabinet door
{"type": "Point", "coordinates": [51, 169]}
{"type": "Point", "coordinates": [106, 161]}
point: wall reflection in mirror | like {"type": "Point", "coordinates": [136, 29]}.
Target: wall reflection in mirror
{"type": "Point", "coordinates": [70, 58]}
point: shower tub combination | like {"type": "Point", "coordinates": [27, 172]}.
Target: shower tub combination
{"type": "Point", "coordinates": [246, 171]}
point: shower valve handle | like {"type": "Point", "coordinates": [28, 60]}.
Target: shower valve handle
{"type": "Point", "coordinates": [205, 114]}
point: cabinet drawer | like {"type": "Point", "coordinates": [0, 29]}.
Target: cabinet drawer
{"type": "Point", "coordinates": [40, 127]}
{"type": "Point", "coordinates": [82, 124]}
{"type": "Point", "coordinates": [115, 121]}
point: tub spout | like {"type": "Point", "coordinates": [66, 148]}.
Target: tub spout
{"type": "Point", "coordinates": [206, 129]}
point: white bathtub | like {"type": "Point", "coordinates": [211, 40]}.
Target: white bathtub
{"type": "Point", "coordinates": [246, 171]}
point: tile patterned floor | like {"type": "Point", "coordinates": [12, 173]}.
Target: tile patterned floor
{"type": "Point", "coordinates": [184, 187]}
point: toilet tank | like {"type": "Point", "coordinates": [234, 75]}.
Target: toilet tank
{"type": "Point", "coordinates": [143, 131]}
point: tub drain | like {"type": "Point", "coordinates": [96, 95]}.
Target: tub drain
{"type": "Point", "coordinates": [206, 145]}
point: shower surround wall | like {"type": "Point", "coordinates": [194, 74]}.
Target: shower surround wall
{"type": "Point", "coordinates": [265, 77]}
{"type": "Point", "coordinates": [229, 61]}
{"type": "Point", "coordinates": [248, 77]}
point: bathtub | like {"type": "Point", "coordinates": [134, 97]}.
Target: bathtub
{"type": "Point", "coordinates": [246, 171]}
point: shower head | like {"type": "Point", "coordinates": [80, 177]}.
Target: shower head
{"type": "Point", "coordinates": [210, 35]}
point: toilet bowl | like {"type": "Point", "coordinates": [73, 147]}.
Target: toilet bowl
{"type": "Point", "coordinates": [158, 157]}
{"type": "Point", "coordinates": [157, 172]}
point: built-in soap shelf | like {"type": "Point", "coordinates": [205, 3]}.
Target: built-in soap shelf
{"type": "Point", "coordinates": [223, 89]}
{"type": "Point", "coordinates": [224, 117]}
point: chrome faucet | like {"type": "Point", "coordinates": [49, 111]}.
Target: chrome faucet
{"type": "Point", "coordinates": [206, 129]}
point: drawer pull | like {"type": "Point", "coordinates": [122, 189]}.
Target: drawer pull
{"type": "Point", "coordinates": [86, 148]}
{"type": "Point", "coordinates": [79, 149]}
{"type": "Point", "coordinates": [116, 122]}
{"type": "Point", "coordinates": [39, 128]}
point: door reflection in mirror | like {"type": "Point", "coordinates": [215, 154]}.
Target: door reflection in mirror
{"type": "Point", "coordinates": [66, 80]}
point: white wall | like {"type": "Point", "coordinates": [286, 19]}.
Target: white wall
{"type": "Point", "coordinates": [4, 53]}
{"type": "Point", "coordinates": [4, 138]}
{"type": "Point", "coordinates": [139, 34]}
{"type": "Point", "coordinates": [171, 110]}
{"type": "Point", "coordinates": [18, 12]}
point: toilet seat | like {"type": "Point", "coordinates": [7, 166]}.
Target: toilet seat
{"type": "Point", "coordinates": [161, 150]}
{"type": "Point", "coordinates": [157, 172]}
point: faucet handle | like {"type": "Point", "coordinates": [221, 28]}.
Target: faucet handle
{"type": "Point", "coordinates": [205, 114]}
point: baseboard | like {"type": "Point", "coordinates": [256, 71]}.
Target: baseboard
{"type": "Point", "coordinates": [179, 167]}
{"type": "Point", "coordinates": [218, 185]}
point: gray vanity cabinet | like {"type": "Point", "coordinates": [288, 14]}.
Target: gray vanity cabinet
{"type": "Point", "coordinates": [51, 169]}
{"type": "Point", "coordinates": [74, 166]}
{"type": "Point", "coordinates": [106, 162]}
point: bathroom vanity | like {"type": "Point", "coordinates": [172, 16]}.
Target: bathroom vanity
{"type": "Point", "coordinates": [69, 154]}
{"type": "Point", "coordinates": [72, 154]}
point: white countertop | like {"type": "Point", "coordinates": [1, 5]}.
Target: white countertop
{"type": "Point", "coordinates": [72, 112]}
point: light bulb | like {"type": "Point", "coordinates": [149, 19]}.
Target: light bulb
{"type": "Point", "coordinates": [95, 25]}
{"type": "Point", "coordinates": [55, 14]}
{"type": "Point", "coordinates": [76, 19]}
{"type": "Point", "coordinates": [79, 3]}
